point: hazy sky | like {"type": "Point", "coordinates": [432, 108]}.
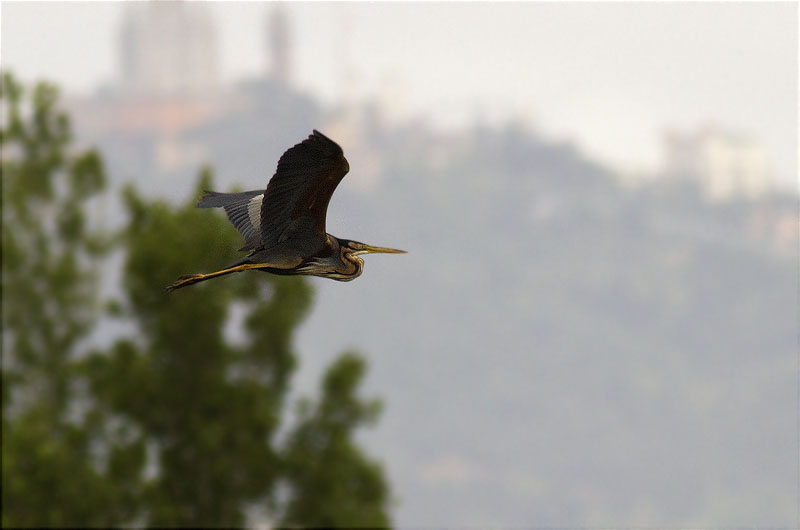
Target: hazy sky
{"type": "Point", "coordinates": [609, 76]}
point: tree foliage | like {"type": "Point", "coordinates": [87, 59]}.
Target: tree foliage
{"type": "Point", "coordinates": [176, 423]}
{"type": "Point", "coordinates": [350, 489]}
{"type": "Point", "coordinates": [50, 264]}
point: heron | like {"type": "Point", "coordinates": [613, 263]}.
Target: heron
{"type": "Point", "coordinates": [284, 226]}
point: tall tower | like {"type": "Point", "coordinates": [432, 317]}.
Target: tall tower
{"type": "Point", "coordinates": [279, 44]}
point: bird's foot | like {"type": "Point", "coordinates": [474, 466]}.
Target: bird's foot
{"type": "Point", "coordinates": [183, 281]}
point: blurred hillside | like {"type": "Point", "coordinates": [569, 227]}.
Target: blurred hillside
{"type": "Point", "coordinates": [559, 347]}
{"type": "Point", "coordinates": [579, 349]}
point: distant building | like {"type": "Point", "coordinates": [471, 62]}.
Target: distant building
{"type": "Point", "coordinates": [168, 112]}
{"type": "Point", "coordinates": [279, 45]}
{"type": "Point", "coordinates": [168, 48]}
{"type": "Point", "coordinates": [726, 164]}
{"type": "Point", "coordinates": [168, 79]}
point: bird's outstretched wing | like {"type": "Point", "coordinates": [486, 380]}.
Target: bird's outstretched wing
{"type": "Point", "coordinates": [296, 200]}
{"type": "Point", "coordinates": [244, 211]}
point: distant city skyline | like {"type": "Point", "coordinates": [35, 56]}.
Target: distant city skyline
{"type": "Point", "coordinates": [611, 78]}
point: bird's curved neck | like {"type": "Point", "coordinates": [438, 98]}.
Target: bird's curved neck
{"type": "Point", "coordinates": [353, 265]}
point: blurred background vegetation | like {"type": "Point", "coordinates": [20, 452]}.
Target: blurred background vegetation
{"type": "Point", "coordinates": [176, 423]}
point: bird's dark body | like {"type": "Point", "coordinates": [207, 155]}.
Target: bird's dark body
{"type": "Point", "coordinates": [284, 226]}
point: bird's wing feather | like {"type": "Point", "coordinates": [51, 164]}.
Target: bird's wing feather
{"type": "Point", "coordinates": [244, 211]}
{"type": "Point", "coordinates": [296, 200]}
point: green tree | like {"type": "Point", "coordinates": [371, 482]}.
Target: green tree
{"type": "Point", "coordinates": [51, 476]}
{"type": "Point", "coordinates": [347, 489]}
{"type": "Point", "coordinates": [177, 423]}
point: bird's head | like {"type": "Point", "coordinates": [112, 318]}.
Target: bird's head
{"type": "Point", "coordinates": [344, 264]}
{"type": "Point", "coordinates": [349, 252]}
{"type": "Point", "coordinates": [357, 248]}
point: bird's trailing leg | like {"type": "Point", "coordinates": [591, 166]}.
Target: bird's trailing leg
{"type": "Point", "coordinates": [189, 279]}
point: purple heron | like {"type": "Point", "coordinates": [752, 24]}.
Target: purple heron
{"type": "Point", "coordinates": [284, 226]}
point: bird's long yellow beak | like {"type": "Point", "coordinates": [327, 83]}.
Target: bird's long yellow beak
{"type": "Point", "coordinates": [361, 248]}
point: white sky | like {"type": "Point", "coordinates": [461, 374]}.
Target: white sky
{"type": "Point", "coordinates": [610, 76]}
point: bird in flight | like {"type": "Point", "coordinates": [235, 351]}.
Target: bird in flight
{"type": "Point", "coordinates": [284, 226]}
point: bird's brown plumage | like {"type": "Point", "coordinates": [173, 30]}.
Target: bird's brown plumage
{"type": "Point", "coordinates": [296, 201]}
{"type": "Point", "coordinates": [284, 226]}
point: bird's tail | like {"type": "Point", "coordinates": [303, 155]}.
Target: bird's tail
{"type": "Point", "coordinates": [189, 279]}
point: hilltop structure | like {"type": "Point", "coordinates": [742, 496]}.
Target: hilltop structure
{"type": "Point", "coordinates": [727, 165]}
{"type": "Point", "coordinates": [167, 48]}
{"type": "Point", "coordinates": [279, 43]}
{"type": "Point", "coordinates": [169, 87]}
